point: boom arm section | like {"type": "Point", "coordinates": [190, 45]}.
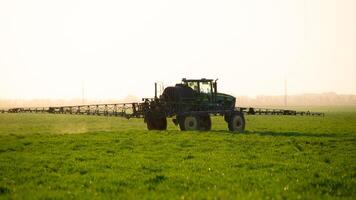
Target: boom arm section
{"type": "Point", "coordinates": [127, 110]}
{"type": "Point", "coordinates": [266, 111]}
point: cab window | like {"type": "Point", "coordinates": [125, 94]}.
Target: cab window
{"type": "Point", "coordinates": [193, 85]}
{"type": "Point", "coordinates": [205, 87]}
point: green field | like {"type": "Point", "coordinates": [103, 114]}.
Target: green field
{"type": "Point", "coordinates": [46, 156]}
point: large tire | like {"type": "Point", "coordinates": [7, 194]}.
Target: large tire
{"type": "Point", "coordinates": [237, 122]}
{"type": "Point", "coordinates": [189, 123]}
{"type": "Point", "coordinates": [205, 123]}
{"type": "Point", "coordinates": [154, 123]}
{"type": "Point", "coordinates": [150, 125]}
{"type": "Point", "coordinates": [162, 124]}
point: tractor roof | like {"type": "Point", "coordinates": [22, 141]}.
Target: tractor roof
{"type": "Point", "coordinates": [197, 80]}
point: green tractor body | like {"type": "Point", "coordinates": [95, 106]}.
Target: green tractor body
{"type": "Point", "coordinates": [197, 95]}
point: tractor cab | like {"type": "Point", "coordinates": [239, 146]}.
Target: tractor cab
{"type": "Point", "coordinates": [206, 89]}
{"type": "Point", "coordinates": [198, 91]}
{"type": "Point", "coordinates": [206, 86]}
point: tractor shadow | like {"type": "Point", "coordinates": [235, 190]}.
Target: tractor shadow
{"type": "Point", "coordinates": [246, 132]}
{"type": "Point", "coordinates": [291, 134]}
{"type": "Point", "coordinates": [281, 134]}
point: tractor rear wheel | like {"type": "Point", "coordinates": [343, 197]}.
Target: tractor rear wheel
{"type": "Point", "coordinates": [156, 123]}
{"type": "Point", "coordinates": [205, 123]}
{"type": "Point", "coordinates": [188, 123]}
{"type": "Point", "coordinates": [162, 123]}
{"type": "Point", "coordinates": [236, 122]}
{"type": "Point", "coordinates": [150, 125]}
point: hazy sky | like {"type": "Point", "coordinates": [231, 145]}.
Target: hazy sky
{"type": "Point", "coordinates": [117, 48]}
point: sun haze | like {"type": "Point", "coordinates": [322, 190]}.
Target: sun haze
{"type": "Point", "coordinates": [111, 49]}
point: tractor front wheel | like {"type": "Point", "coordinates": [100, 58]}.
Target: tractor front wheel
{"type": "Point", "coordinates": [193, 123]}
{"type": "Point", "coordinates": [188, 123]}
{"type": "Point", "coordinates": [236, 122]}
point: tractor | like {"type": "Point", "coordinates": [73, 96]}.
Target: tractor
{"type": "Point", "coordinates": [190, 104]}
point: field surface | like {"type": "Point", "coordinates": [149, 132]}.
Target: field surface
{"type": "Point", "coordinates": [48, 156]}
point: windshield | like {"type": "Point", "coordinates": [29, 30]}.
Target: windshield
{"type": "Point", "coordinates": [205, 87]}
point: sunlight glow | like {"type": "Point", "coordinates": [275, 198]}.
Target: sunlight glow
{"type": "Point", "coordinates": [119, 48]}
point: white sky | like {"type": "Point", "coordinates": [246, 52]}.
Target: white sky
{"type": "Point", "coordinates": [117, 48]}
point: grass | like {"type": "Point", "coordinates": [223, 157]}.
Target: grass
{"type": "Point", "coordinates": [84, 157]}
